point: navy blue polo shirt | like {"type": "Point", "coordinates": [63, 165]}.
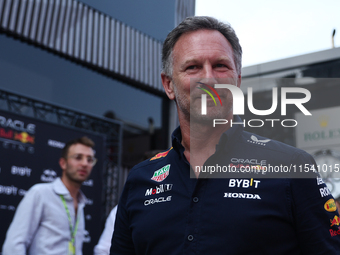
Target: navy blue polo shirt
{"type": "Point", "coordinates": [164, 211]}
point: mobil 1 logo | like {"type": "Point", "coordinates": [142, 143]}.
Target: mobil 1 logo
{"type": "Point", "coordinates": [158, 189]}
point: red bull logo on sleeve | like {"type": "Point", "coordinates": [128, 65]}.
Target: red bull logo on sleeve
{"type": "Point", "coordinates": [335, 221]}
{"type": "Point", "coordinates": [161, 154]}
{"type": "Point", "coordinates": [161, 174]}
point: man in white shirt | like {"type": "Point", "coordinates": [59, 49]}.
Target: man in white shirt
{"type": "Point", "coordinates": [104, 243]}
{"type": "Point", "coordinates": [50, 217]}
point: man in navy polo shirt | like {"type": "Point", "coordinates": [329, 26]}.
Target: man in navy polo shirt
{"type": "Point", "coordinates": [200, 197]}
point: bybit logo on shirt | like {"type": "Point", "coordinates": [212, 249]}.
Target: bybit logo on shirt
{"type": "Point", "coordinates": [244, 183]}
{"type": "Point", "coordinates": [238, 105]}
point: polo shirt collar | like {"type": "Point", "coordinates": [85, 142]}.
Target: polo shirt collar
{"type": "Point", "coordinates": [227, 138]}
{"type": "Point", "coordinates": [60, 189]}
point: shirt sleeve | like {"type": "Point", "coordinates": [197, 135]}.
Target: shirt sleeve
{"type": "Point", "coordinates": [104, 243]}
{"type": "Point", "coordinates": [314, 213]}
{"type": "Point", "coordinates": [122, 243]}
{"type": "Point", "coordinates": [24, 225]}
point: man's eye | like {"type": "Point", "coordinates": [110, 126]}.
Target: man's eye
{"type": "Point", "coordinates": [79, 157]}
{"type": "Point", "coordinates": [191, 67]}
{"type": "Point", "coordinates": [221, 65]}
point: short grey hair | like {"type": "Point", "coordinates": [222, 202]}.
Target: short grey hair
{"type": "Point", "coordinates": [196, 23]}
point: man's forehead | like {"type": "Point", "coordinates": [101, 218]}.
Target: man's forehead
{"type": "Point", "coordinates": [193, 45]}
{"type": "Point", "coordinates": [202, 38]}
{"type": "Point", "coordinates": [81, 148]}
{"type": "Point", "coordinates": [202, 34]}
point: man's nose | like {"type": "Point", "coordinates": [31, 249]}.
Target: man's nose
{"type": "Point", "coordinates": [84, 161]}
{"type": "Point", "coordinates": [208, 75]}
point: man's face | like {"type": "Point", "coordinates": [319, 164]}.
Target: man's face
{"type": "Point", "coordinates": [203, 56]}
{"type": "Point", "coordinates": [77, 166]}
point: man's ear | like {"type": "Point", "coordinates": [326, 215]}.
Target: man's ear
{"type": "Point", "coordinates": [62, 163]}
{"type": "Point", "coordinates": [168, 86]}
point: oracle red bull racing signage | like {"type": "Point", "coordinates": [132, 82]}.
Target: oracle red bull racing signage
{"type": "Point", "coordinates": [16, 134]}
{"type": "Point", "coordinates": [17, 125]}
{"type": "Point", "coordinates": [161, 174]}
{"type": "Point", "coordinates": [24, 137]}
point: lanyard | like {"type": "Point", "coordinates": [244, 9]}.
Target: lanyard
{"type": "Point", "coordinates": [71, 247]}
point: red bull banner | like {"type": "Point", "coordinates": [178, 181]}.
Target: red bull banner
{"type": "Point", "coordinates": [29, 153]}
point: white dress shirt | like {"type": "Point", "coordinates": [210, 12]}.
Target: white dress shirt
{"type": "Point", "coordinates": [40, 225]}
{"type": "Point", "coordinates": [104, 243]}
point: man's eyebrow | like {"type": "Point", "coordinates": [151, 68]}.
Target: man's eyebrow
{"type": "Point", "coordinates": [189, 61]}
{"type": "Point", "coordinates": [227, 59]}
{"type": "Point", "coordinates": [196, 60]}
